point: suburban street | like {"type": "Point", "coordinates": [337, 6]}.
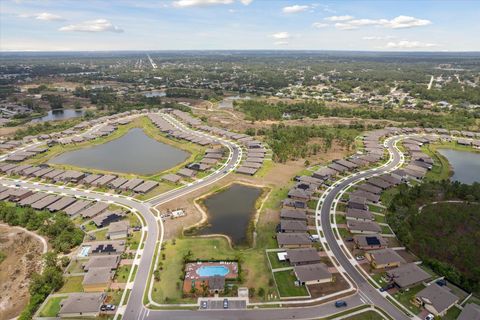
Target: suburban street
{"type": "Point", "coordinates": [135, 308]}
{"type": "Point", "coordinates": [364, 287]}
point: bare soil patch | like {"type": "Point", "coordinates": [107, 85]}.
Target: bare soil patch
{"type": "Point", "coordinates": [23, 258]}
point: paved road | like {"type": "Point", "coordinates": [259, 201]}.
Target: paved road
{"type": "Point", "coordinates": [364, 287]}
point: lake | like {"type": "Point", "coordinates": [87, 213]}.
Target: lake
{"type": "Point", "coordinates": [228, 101]}
{"type": "Point", "coordinates": [134, 152]}
{"type": "Point", "coordinates": [152, 94]}
{"type": "Point", "coordinates": [60, 115]}
{"type": "Point", "coordinates": [466, 165]}
{"type": "Point", "coordinates": [230, 212]}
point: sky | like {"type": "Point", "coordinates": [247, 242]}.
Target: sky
{"type": "Point", "coordinates": [91, 25]}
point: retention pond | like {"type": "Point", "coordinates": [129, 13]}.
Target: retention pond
{"type": "Point", "coordinates": [230, 212]}
{"type": "Point", "coordinates": [134, 152]}
{"type": "Point", "coordinates": [466, 165]}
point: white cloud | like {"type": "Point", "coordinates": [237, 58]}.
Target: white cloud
{"type": "Point", "coordinates": [405, 44]}
{"type": "Point", "coordinates": [204, 3]}
{"type": "Point", "coordinates": [44, 16]}
{"type": "Point", "coordinates": [378, 37]}
{"type": "Point", "coordinates": [99, 25]}
{"type": "Point", "coordinates": [339, 18]}
{"type": "Point", "coordinates": [407, 22]}
{"type": "Point", "coordinates": [295, 9]}
{"type": "Point", "coordinates": [319, 25]}
{"type": "Point", "coordinates": [400, 22]}
{"type": "Point", "coordinates": [281, 35]}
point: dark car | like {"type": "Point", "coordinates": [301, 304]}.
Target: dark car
{"type": "Point", "coordinates": [387, 287]}
{"type": "Point", "coordinates": [340, 304]}
{"type": "Point", "coordinates": [225, 303]}
{"type": "Point", "coordinates": [103, 307]}
{"type": "Point", "coordinates": [441, 282]}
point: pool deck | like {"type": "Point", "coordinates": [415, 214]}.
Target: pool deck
{"type": "Point", "coordinates": [192, 267]}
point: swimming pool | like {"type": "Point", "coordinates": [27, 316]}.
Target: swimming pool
{"type": "Point", "coordinates": [210, 271]}
{"type": "Point", "coordinates": [84, 251]}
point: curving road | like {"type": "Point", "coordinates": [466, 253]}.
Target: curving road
{"type": "Point", "coordinates": [135, 309]}
{"type": "Point", "coordinates": [323, 212]}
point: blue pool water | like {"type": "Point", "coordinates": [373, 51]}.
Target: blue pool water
{"type": "Point", "coordinates": [84, 251]}
{"type": "Point", "coordinates": [210, 271]}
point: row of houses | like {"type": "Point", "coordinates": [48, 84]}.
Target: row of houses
{"type": "Point", "coordinates": [22, 155]}
{"type": "Point", "coordinates": [174, 132]}
{"type": "Point", "coordinates": [47, 173]}
{"type": "Point", "coordinates": [254, 149]}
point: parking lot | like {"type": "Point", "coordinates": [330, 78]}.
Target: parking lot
{"type": "Point", "coordinates": [218, 304]}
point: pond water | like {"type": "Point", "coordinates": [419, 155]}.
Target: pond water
{"type": "Point", "coordinates": [230, 211]}
{"type": "Point", "coordinates": [152, 94]}
{"type": "Point", "coordinates": [466, 165]}
{"type": "Point", "coordinates": [134, 152]}
{"type": "Point", "coordinates": [228, 101]}
{"type": "Point", "coordinates": [60, 115]}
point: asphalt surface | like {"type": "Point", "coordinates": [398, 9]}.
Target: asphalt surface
{"type": "Point", "coordinates": [367, 290]}
{"type": "Point", "coordinates": [135, 308]}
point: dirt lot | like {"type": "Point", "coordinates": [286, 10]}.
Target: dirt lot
{"type": "Point", "coordinates": [23, 257]}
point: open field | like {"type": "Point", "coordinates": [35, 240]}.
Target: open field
{"type": "Point", "coordinates": [52, 307]}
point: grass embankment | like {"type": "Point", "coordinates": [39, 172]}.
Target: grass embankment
{"type": "Point", "coordinates": [72, 284]}
{"type": "Point", "coordinates": [367, 315]}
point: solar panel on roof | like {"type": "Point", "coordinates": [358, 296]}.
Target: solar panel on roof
{"type": "Point", "coordinates": [372, 241]}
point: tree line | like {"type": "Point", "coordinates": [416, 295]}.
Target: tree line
{"type": "Point", "coordinates": [444, 235]}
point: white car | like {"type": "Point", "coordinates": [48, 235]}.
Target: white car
{"type": "Point", "coordinates": [430, 317]}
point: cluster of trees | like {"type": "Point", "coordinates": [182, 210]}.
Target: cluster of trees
{"type": "Point", "coordinates": [183, 93]}
{"type": "Point", "coordinates": [452, 92]}
{"type": "Point", "coordinates": [292, 142]}
{"type": "Point", "coordinates": [42, 284]}
{"type": "Point", "coordinates": [60, 230]}
{"type": "Point", "coordinates": [259, 110]}
{"type": "Point", "coordinates": [55, 100]}
{"type": "Point", "coordinates": [446, 234]}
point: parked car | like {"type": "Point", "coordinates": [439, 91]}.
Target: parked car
{"type": "Point", "coordinates": [111, 307]}
{"type": "Point", "coordinates": [359, 258]}
{"type": "Point", "coordinates": [340, 304]}
{"type": "Point", "coordinates": [204, 305]}
{"type": "Point", "coordinates": [441, 282]}
{"type": "Point", "coordinates": [387, 287]}
{"type": "Point", "coordinates": [103, 307]}
{"type": "Point", "coordinates": [430, 317]}
{"type": "Point", "coordinates": [225, 303]}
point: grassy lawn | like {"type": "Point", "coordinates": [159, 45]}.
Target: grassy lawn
{"type": "Point", "coordinates": [378, 278]}
{"type": "Point", "coordinates": [122, 273]}
{"type": "Point", "coordinates": [341, 207]}
{"type": "Point", "coordinates": [267, 165]}
{"type": "Point", "coordinates": [344, 233]}
{"type": "Point", "coordinates": [113, 297]}
{"type": "Point", "coordinates": [340, 219]}
{"type": "Point", "coordinates": [76, 266]}
{"type": "Point", "coordinates": [286, 284]}
{"type": "Point", "coordinates": [312, 204]}
{"type": "Point", "coordinates": [101, 234]}
{"type": "Point", "coordinates": [253, 264]}
{"type": "Point", "coordinates": [52, 307]}
{"type": "Point", "coordinates": [89, 226]}
{"type": "Point", "coordinates": [406, 297]}
{"type": "Point", "coordinates": [379, 219]}
{"type": "Point", "coordinates": [272, 256]}
{"type": "Point", "coordinates": [72, 284]}
{"type": "Point", "coordinates": [386, 230]}
{"type": "Point", "coordinates": [367, 315]}
{"type": "Point", "coordinates": [133, 241]}
{"type": "Point", "coordinates": [376, 209]}
{"type": "Point", "coordinates": [452, 314]}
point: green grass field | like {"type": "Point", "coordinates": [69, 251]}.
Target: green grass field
{"type": "Point", "coordinates": [406, 297]}
{"type": "Point", "coordinates": [286, 285]}
{"type": "Point", "coordinates": [72, 284]}
{"type": "Point", "coordinates": [52, 307]}
{"type": "Point", "coordinates": [367, 315]}
{"type": "Point", "coordinates": [272, 256]}
{"type": "Point", "coordinates": [122, 273]}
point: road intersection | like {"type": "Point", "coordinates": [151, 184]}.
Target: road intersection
{"type": "Point", "coordinates": [135, 308]}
